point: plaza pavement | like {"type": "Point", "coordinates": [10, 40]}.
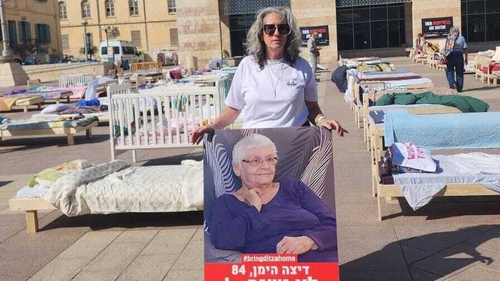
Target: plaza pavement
{"type": "Point", "coordinates": [451, 238]}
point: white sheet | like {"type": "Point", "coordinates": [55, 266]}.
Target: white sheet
{"type": "Point", "coordinates": [27, 192]}
{"type": "Point", "coordinates": [115, 187]}
{"type": "Point", "coordinates": [419, 188]}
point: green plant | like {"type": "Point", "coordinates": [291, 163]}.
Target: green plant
{"type": "Point", "coordinates": [91, 50]}
{"type": "Point", "coordinates": [24, 49]}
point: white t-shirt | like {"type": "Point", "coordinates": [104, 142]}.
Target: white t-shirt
{"type": "Point", "coordinates": [274, 96]}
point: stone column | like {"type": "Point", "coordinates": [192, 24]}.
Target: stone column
{"type": "Point", "coordinates": [422, 9]}
{"type": "Point", "coordinates": [198, 25]}
{"type": "Point", "coordinates": [314, 13]}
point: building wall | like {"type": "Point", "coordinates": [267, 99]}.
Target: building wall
{"type": "Point", "coordinates": [36, 12]}
{"type": "Point", "coordinates": [434, 9]}
{"type": "Point", "coordinates": [153, 21]}
{"type": "Point", "coordinates": [199, 28]}
{"type": "Point", "coordinates": [314, 13]}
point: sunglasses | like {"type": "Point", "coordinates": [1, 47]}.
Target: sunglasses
{"type": "Point", "coordinates": [283, 29]}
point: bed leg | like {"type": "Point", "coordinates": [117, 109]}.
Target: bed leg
{"type": "Point", "coordinates": [57, 101]}
{"type": "Point", "coordinates": [134, 156]}
{"type": "Point", "coordinates": [379, 208]}
{"type": "Point", "coordinates": [31, 221]}
{"type": "Point", "coordinates": [71, 139]}
{"type": "Point", "coordinates": [67, 99]}
{"type": "Point", "coordinates": [25, 108]}
{"type": "Point", "coordinates": [88, 132]}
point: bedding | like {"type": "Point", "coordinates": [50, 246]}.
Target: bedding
{"type": "Point", "coordinates": [6, 104]}
{"type": "Point", "coordinates": [46, 123]}
{"type": "Point", "coordinates": [443, 131]}
{"type": "Point", "coordinates": [116, 187]}
{"type": "Point", "coordinates": [476, 167]}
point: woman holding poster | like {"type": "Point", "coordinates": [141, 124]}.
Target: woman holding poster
{"type": "Point", "coordinates": [273, 86]}
{"type": "Point", "coordinates": [263, 216]}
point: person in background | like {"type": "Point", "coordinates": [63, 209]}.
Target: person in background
{"type": "Point", "coordinates": [273, 85]}
{"type": "Point", "coordinates": [313, 52]}
{"type": "Point", "coordinates": [456, 58]}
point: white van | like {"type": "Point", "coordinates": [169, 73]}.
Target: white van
{"type": "Point", "coordinates": [121, 51]}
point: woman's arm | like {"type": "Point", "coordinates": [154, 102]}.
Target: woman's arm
{"type": "Point", "coordinates": [229, 231]}
{"type": "Point", "coordinates": [225, 119]}
{"type": "Point", "coordinates": [317, 118]}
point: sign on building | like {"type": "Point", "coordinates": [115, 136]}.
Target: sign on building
{"type": "Point", "coordinates": [323, 36]}
{"type": "Point", "coordinates": [436, 27]}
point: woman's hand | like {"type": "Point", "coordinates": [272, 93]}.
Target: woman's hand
{"type": "Point", "coordinates": [197, 135]}
{"type": "Point", "coordinates": [252, 198]}
{"type": "Point", "coordinates": [332, 125]}
{"type": "Point", "coordinates": [295, 245]}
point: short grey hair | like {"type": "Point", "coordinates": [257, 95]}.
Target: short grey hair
{"type": "Point", "coordinates": [250, 142]}
{"type": "Point", "coordinates": [257, 48]}
{"type": "Point", "coordinates": [454, 28]}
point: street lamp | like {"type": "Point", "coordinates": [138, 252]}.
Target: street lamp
{"type": "Point", "coordinates": [84, 23]}
{"type": "Point", "coordinates": [107, 43]}
{"type": "Point", "coordinates": [6, 56]}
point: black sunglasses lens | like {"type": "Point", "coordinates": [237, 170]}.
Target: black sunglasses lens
{"type": "Point", "coordinates": [269, 29]}
{"type": "Point", "coordinates": [284, 29]}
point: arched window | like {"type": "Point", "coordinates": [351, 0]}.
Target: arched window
{"type": "Point", "coordinates": [63, 12]}
{"type": "Point", "coordinates": [134, 7]}
{"type": "Point", "coordinates": [110, 8]}
{"type": "Point", "coordinates": [86, 9]}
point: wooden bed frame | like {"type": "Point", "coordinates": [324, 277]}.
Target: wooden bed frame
{"type": "Point", "coordinates": [31, 207]}
{"type": "Point", "coordinates": [69, 132]}
{"type": "Point", "coordinates": [452, 189]}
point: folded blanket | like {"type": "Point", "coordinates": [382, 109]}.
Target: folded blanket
{"type": "Point", "coordinates": [463, 103]}
{"type": "Point", "coordinates": [46, 123]}
{"type": "Point", "coordinates": [6, 104]}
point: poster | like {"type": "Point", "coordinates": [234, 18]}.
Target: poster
{"type": "Point", "coordinates": [246, 241]}
{"type": "Point", "coordinates": [436, 27]}
{"type": "Point", "coordinates": [323, 35]}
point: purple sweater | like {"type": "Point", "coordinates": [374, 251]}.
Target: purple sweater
{"type": "Point", "coordinates": [294, 211]}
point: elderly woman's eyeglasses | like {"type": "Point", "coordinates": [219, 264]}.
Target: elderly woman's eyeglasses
{"type": "Point", "coordinates": [283, 29]}
{"type": "Point", "coordinates": [257, 161]}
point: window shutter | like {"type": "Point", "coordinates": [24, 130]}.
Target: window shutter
{"type": "Point", "coordinates": [38, 33]}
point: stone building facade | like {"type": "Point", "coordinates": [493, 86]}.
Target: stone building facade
{"type": "Point", "coordinates": [207, 29]}
{"type": "Point", "coordinates": [34, 21]}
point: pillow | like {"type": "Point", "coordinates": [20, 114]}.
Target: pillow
{"type": "Point", "coordinates": [55, 108]}
{"type": "Point", "coordinates": [48, 176]}
{"type": "Point", "coordinates": [405, 157]}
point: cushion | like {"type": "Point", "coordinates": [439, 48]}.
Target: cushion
{"type": "Point", "coordinates": [55, 108]}
{"type": "Point", "coordinates": [405, 157]}
{"type": "Point", "coordinates": [48, 176]}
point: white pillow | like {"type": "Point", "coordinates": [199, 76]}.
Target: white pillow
{"type": "Point", "coordinates": [55, 108]}
{"type": "Point", "coordinates": [408, 155]}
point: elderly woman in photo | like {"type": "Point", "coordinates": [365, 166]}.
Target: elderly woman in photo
{"type": "Point", "coordinates": [264, 216]}
{"type": "Point", "coordinates": [273, 85]}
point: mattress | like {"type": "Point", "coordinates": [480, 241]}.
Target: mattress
{"type": "Point", "coordinates": [115, 187]}
{"type": "Point", "coordinates": [443, 131]}
{"type": "Point", "coordinates": [45, 123]}
{"type": "Point", "coordinates": [377, 112]}
{"type": "Point", "coordinates": [481, 168]}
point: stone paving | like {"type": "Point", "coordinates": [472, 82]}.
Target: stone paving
{"type": "Point", "coordinates": [451, 238]}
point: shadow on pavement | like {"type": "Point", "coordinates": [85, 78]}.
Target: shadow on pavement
{"type": "Point", "coordinates": [2, 183]}
{"type": "Point", "coordinates": [128, 220]}
{"type": "Point", "coordinates": [36, 142]}
{"type": "Point", "coordinates": [444, 259]}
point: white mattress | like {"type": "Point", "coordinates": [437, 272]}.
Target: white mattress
{"type": "Point", "coordinates": [481, 168]}
{"type": "Point", "coordinates": [115, 187]}
{"type": "Point", "coordinates": [27, 192]}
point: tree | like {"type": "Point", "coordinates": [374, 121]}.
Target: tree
{"type": "Point", "coordinates": [91, 50]}
{"type": "Point", "coordinates": [24, 49]}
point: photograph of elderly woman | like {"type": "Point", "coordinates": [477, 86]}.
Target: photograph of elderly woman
{"type": "Point", "coordinates": [269, 191]}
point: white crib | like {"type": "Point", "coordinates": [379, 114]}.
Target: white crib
{"type": "Point", "coordinates": [160, 119]}
{"type": "Point", "coordinates": [75, 80]}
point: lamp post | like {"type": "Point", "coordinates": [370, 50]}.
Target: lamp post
{"type": "Point", "coordinates": [84, 23]}
{"type": "Point", "coordinates": [107, 43]}
{"type": "Point", "coordinates": [6, 56]}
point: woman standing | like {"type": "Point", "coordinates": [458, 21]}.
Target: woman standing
{"type": "Point", "coordinates": [273, 84]}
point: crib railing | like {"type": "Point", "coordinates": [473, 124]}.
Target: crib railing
{"type": "Point", "coordinates": [160, 119]}
{"type": "Point", "coordinates": [75, 80]}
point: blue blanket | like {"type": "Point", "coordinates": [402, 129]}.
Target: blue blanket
{"type": "Point", "coordinates": [443, 131]}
